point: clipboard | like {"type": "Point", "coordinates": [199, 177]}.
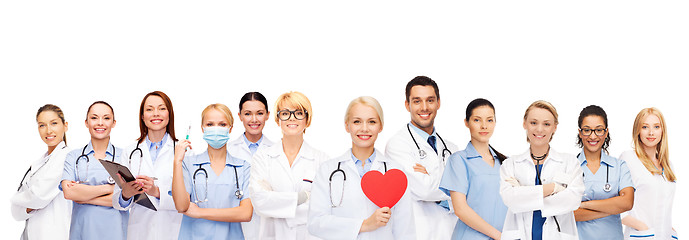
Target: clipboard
{"type": "Point", "coordinates": [114, 168]}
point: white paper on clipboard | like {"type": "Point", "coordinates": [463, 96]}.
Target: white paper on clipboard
{"type": "Point", "coordinates": [114, 168]}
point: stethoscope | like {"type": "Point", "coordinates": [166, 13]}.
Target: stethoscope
{"type": "Point", "coordinates": [607, 187]}
{"type": "Point", "coordinates": [141, 155]}
{"type": "Point", "coordinates": [83, 154]}
{"type": "Point", "coordinates": [422, 153]}
{"type": "Point", "coordinates": [344, 178]}
{"type": "Point", "coordinates": [239, 193]}
{"type": "Point", "coordinates": [34, 173]}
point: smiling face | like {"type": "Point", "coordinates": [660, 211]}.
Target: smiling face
{"type": "Point", "coordinates": [51, 128]}
{"type": "Point", "coordinates": [363, 125]}
{"type": "Point", "coordinates": [292, 126]}
{"type": "Point", "coordinates": [423, 105]}
{"type": "Point", "coordinates": [254, 115]}
{"type": "Point", "coordinates": [481, 124]}
{"type": "Point", "coordinates": [593, 143]}
{"type": "Point", "coordinates": [651, 131]}
{"type": "Point", "coordinates": [540, 126]}
{"type": "Point", "coordinates": [100, 120]}
{"type": "Point", "coordinates": [156, 115]}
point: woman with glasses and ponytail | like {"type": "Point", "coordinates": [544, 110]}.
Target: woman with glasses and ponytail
{"type": "Point", "coordinates": [472, 178]}
{"type": "Point", "coordinates": [609, 187]}
{"type": "Point", "coordinates": [281, 175]}
{"type": "Point", "coordinates": [541, 187]}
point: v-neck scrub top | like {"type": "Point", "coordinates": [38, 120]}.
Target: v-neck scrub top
{"type": "Point", "coordinates": [221, 194]}
{"type": "Point", "coordinates": [466, 172]}
{"type": "Point", "coordinates": [617, 174]}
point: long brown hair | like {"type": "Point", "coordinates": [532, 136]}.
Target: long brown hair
{"type": "Point", "coordinates": [170, 128]}
{"type": "Point", "coordinates": [662, 152]}
{"type": "Point", "coordinates": [58, 111]}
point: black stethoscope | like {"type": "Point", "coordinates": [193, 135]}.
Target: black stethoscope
{"type": "Point", "coordinates": [83, 154]}
{"type": "Point", "coordinates": [422, 153]}
{"type": "Point", "coordinates": [344, 178]}
{"type": "Point", "coordinates": [141, 155]}
{"type": "Point", "coordinates": [34, 173]}
{"type": "Point", "coordinates": [239, 193]}
{"type": "Point", "coordinates": [607, 187]}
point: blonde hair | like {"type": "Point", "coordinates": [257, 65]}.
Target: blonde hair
{"type": "Point", "coordinates": [220, 107]}
{"type": "Point", "coordinates": [662, 152]}
{"type": "Point", "coordinates": [366, 101]}
{"type": "Point", "coordinates": [295, 100]}
{"type": "Point", "coordinates": [543, 105]}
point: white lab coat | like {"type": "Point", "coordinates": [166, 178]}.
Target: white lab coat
{"type": "Point", "coordinates": [39, 191]}
{"type": "Point", "coordinates": [274, 187]}
{"type": "Point", "coordinates": [431, 220]}
{"type": "Point", "coordinates": [522, 200]}
{"type": "Point", "coordinates": [143, 222]}
{"type": "Point", "coordinates": [239, 149]}
{"type": "Point", "coordinates": [344, 221]}
{"type": "Point", "coordinates": [652, 201]}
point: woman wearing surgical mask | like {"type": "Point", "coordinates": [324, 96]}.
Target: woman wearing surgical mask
{"type": "Point", "coordinates": [281, 175]}
{"type": "Point", "coordinates": [150, 159]}
{"type": "Point", "coordinates": [541, 187]}
{"type": "Point", "coordinates": [609, 188]}
{"type": "Point", "coordinates": [339, 208]}
{"type": "Point", "coordinates": [37, 201]}
{"type": "Point", "coordinates": [653, 177]}
{"type": "Point", "coordinates": [89, 186]}
{"type": "Point", "coordinates": [472, 178]}
{"type": "Point", "coordinates": [253, 112]}
{"type": "Point", "coordinates": [210, 188]}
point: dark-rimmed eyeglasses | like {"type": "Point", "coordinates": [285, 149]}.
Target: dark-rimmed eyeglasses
{"type": "Point", "coordinates": [597, 131]}
{"type": "Point", "coordinates": [285, 115]}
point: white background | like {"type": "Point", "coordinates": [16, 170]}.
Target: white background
{"type": "Point", "coordinates": [621, 55]}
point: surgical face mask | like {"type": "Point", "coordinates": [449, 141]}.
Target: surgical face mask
{"type": "Point", "coordinates": [216, 137]}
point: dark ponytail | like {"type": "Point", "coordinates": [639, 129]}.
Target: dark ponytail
{"type": "Point", "coordinates": [480, 102]}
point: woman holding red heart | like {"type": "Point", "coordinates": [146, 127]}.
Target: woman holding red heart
{"type": "Point", "coordinates": [339, 208]}
{"type": "Point", "coordinates": [472, 178]}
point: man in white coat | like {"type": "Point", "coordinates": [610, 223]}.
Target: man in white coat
{"type": "Point", "coordinates": [422, 153]}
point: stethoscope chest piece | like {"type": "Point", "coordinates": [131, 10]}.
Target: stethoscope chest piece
{"type": "Point", "coordinates": [239, 194]}
{"type": "Point", "coordinates": [607, 187]}
{"type": "Point", "coordinates": [422, 154]}
{"type": "Point", "coordinates": [111, 180]}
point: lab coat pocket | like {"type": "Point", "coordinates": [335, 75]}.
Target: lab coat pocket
{"type": "Point", "coordinates": [674, 234]}
{"type": "Point", "coordinates": [645, 235]}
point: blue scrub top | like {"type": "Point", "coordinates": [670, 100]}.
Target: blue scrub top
{"type": "Point", "coordinates": [92, 221]}
{"type": "Point", "coordinates": [221, 194]}
{"type": "Point", "coordinates": [466, 172]}
{"type": "Point", "coordinates": [619, 177]}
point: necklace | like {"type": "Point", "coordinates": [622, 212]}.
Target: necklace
{"type": "Point", "coordinates": [539, 158]}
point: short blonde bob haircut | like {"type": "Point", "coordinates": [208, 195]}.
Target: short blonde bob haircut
{"type": "Point", "coordinates": [220, 107]}
{"type": "Point", "coordinates": [543, 105]}
{"type": "Point", "coordinates": [295, 100]}
{"type": "Point", "coordinates": [366, 101]}
{"type": "Point", "coordinates": [662, 152]}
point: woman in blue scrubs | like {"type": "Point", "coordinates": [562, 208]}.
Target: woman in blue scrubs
{"type": "Point", "coordinates": [472, 178]}
{"type": "Point", "coordinates": [609, 187]}
{"type": "Point", "coordinates": [211, 188]}
{"type": "Point", "coordinates": [86, 182]}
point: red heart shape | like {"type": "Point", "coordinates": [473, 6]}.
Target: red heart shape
{"type": "Point", "coordinates": [384, 190]}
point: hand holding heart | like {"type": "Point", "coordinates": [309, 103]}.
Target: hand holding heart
{"type": "Point", "coordinates": [378, 219]}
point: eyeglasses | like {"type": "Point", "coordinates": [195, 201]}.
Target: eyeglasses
{"type": "Point", "coordinates": [597, 131]}
{"type": "Point", "coordinates": [285, 115]}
